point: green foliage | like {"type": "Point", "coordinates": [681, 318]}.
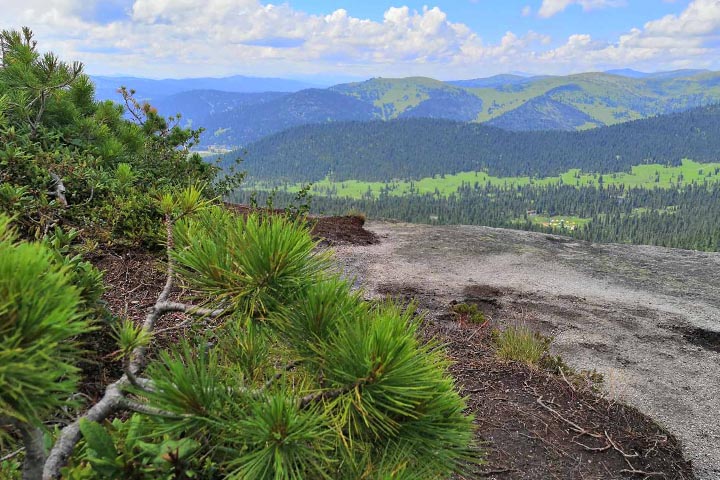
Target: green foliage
{"type": "Point", "coordinates": [112, 167]}
{"type": "Point", "coordinates": [129, 337]}
{"type": "Point", "coordinates": [420, 148]}
{"type": "Point", "coordinates": [303, 379]}
{"type": "Point", "coordinates": [299, 378]}
{"type": "Point", "coordinates": [41, 312]}
{"type": "Point", "coordinates": [129, 449]}
{"type": "Point", "coordinates": [249, 264]}
{"type": "Point", "coordinates": [519, 343]}
{"type": "Point", "coordinates": [468, 312]}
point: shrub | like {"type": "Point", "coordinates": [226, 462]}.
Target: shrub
{"type": "Point", "coordinates": [297, 376]}
{"type": "Point", "coordinates": [66, 159]}
{"type": "Point", "coordinates": [40, 314]}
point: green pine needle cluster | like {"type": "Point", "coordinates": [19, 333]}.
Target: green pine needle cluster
{"type": "Point", "coordinates": [40, 315]}
{"type": "Point", "coordinates": [304, 379]}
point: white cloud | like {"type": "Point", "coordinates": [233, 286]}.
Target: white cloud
{"type": "Point", "coordinates": [674, 41]}
{"type": "Point", "coordinates": [526, 11]}
{"type": "Point", "coordinates": [219, 37]}
{"type": "Point", "coordinates": [553, 7]}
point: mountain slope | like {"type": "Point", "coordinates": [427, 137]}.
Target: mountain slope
{"type": "Point", "coordinates": [417, 148]}
{"type": "Point", "coordinates": [544, 113]}
{"type": "Point", "coordinates": [196, 106]}
{"type": "Point", "coordinates": [249, 122]}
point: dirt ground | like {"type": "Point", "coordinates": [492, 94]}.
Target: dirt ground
{"type": "Point", "coordinates": [531, 424]}
{"type": "Point", "coordinates": [646, 318]}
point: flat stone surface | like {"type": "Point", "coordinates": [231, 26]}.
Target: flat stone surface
{"type": "Point", "coordinates": [647, 318]}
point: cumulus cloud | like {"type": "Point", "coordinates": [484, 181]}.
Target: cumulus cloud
{"type": "Point", "coordinates": [219, 37]}
{"type": "Point", "coordinates": [674, 41]}
{"type": "Point", "coordinates": [553, 7]}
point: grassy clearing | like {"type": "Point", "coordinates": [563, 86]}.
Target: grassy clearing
{"type": "Point", "coordinates": [644, 176]}
{"type": "Point", "coordinates": [559, 222]}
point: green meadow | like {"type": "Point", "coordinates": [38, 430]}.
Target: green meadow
{"type": "Point", "coordinates": [643, 176]}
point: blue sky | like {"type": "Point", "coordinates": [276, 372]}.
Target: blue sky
{"type": "Point", "coordinates": [492, 18]}
{"type": "Point", "coordinates": [357, 39]}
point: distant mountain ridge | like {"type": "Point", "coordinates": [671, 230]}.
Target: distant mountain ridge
{"type": "Point", "coordinates": [415, 148]}
{"type": "Point", "coordinates": [233, 117]}
{"type": "Point", "coordinates": [150, 89]}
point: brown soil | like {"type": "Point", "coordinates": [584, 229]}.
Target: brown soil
{"type": "Point", "coordinates": [531, 424]}
{"type": "Point", "coordinates": [346, 230]}
{"type": "Point", "coordinates": [534, 424]}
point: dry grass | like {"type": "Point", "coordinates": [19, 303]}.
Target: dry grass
{"type": "Point", "coordinates": [520, 344]}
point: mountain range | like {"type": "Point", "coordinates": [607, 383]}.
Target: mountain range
{"type": "Point", "coordinates": [237, 111]}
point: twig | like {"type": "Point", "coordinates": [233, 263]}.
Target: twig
{"type": "Point", "coordinates": [577, 428]}
{"type": "Point", "coordinates": [614, 445]}
{"type": "Point", "coordinates": [11, 455]}
{"type": "Point", "coordinates": [633, 471]}
{"type": "Point", "coordinates": [290, 366]}
{"type": "Point", "coordinates": [593, 449]}
{"type": "Point", "coordinates": [498, 471]}
{"type": "Point", "coordinates": [147, 409]}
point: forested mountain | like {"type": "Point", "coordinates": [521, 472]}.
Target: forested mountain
{"type": "Point", "coordinates": [251, 121]}
{"type": "Point", "coordinates": [417, 148]}
{"type": "Point", "coordinates": [197, 106]}
{"type": "Point", "coordinates": [512, 102]}
{"type": "Point", "coordinates": [684, 218]}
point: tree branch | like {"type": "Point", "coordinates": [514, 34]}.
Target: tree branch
{"type": "Point", "coordinates": [146, 409]}
{"type": "Point", "coordinates": [114, 393]}
{"type": "Point", "coordinates": [58, 190]}
{"type": "Point", "coordinates": [70, 435]}
{"type": "Point", "coordinates": [34, 441]}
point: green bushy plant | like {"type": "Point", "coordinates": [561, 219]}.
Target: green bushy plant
{"type": "Point", "coordinates": [41, 311]}
{"type": "Point", "coordinates": [288, 374]}
{"type": "Point", "coordinates": [468, 312]}
{"type": "Point", "coordinates": [292, 376]}
{"type": "Point", "coordinates": [66, 159]}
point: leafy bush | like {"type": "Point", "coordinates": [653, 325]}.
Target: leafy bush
{"type": "Point", "coordinates": [289, 374]}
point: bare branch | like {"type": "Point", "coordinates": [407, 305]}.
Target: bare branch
{"type": "Point", "coordinates": [70, 435]}
{"type": "Point", "coordinates": [12, 454]}
{"type": "Point", "coordinates": [114, 393]}
{"type": "Point", "coordinates": [146, 409]}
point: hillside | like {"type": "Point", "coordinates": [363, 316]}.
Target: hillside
{"type": "Point", "coordinates": [512, 102]}
{"type": "Point", "coordinates": [412, 148]}
{"type": "Point", "coordinates": [198, 106]}
{"type": "Point", "coordinates": [251, 121]}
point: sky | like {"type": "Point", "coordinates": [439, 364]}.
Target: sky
{"type": "Point", "coordinates": [336, 39]}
